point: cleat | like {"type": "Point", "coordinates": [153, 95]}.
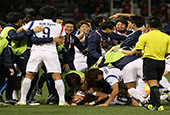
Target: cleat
{"type": "Point", "coordinates": [33, 103]}
{"type": "Point", "coordinates": [148, 106]}
{"type": "Point", "coordinates": [10, 101]}
{"type": "Point", "coordinates": [161, 108]}
{"type": "Point", "coordinates": [52, 98]}
{"type": "Point", "coordinates": [63, 104]}
{"type": "Point", "coordinates": [39, 92]}
{"type": "Point", "coordinates": [2, 104]}
{"type": "Point", "coordinates": [22, 103]}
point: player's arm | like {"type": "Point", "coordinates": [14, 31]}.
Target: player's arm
{"type": "Point", "coordinates": [114, 93]}
{"type": "Point", "coordinates": [121, 14]}
{"type": "Point", "coordinates": [59, 40]}
{"type": "Point", "coordinates": [128, 52]}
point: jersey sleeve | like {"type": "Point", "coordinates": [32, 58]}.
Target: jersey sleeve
{"type": "Point", "coordinates": [112, 80]}
{"type": "Point", "coordinates": [62, 33]}
{"type": "Point", "coordinates": [27, 26]}
{"type": "Point", "coordinates": [141, 43]}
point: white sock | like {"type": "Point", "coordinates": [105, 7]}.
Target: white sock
{"type": "Point", "coordinates": [59, 85]}
{"type": "Point", "coordinates": [26, 84]}
{"type": "Point", "coordinates": [15, 94]}
{"type": "Point", "coordinates": [134, 93]}
{"type": "Point", "coordinates": [164, 82]}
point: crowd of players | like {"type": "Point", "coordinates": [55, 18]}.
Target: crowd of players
{"type": "Point", "coordinates": [92, 63]}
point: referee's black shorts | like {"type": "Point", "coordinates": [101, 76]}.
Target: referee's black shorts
{"type": "Point", "coordinates": [153, 69]}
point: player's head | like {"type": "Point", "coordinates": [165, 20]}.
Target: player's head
{"type": "Point", "coordinates": [72, 79]}
{"type": "Point", "coordinates": [58, 20]}
{"type": "Point", "coordinates": [121, 24]}
{"type": "Point", "coordinates": [48, 12]}
{"type": "Point", "coordinates": [108, 26]}
{"type": "Point", "coordinates": [83, 26]}
{"type": "Point", "coordinates": [98, 20]}
{"type": "Point", "coordinates": [93, 75]}
{"type": "Point", "coordinates": [154, 22]}
{"type": "Point", "coordinates": [69, 27]}
{"type": "Point", "coordinates": [137, 21]}
{"type": "Point", "coordinates": [27, 19]}
{"type": "Point", "coordinates": [14, 17]}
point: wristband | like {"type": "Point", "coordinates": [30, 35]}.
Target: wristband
{"type": "Point", "coordinates": [92, 103]}
{"type": "Point", "coordinates": [119, 50]}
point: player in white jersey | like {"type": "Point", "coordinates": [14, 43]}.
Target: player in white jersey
{"type": "Point", "coordinates": [45, 54]}
{"type": "Point", "coordinates": [109, 74]}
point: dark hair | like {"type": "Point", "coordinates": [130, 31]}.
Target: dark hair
{"type": "Point", "coordinates": [154, 22]}
{"type": "Point", "coordinates": [72, 79]}
{"type": "Point", "coordinates": [48, 12]}
{"type": "Point", "coordinates": [27, 19]}
{"type": "Point", "coordinates": [61, 18]}
{"type": "Point", "coordinates": [123, 21]}
{"type": "Point", "coordinates": [69, 22]}
{"type": "Point", "coordinates": [107, 24]}
{"type": "Point", "coordinates": [138, 20]}
{"type": "Point", "coordinates": [79, 24]}
{"type": "Point", "coordinates": [97, 20]}
{"type": "Point", "coordinates": [13, 17]}
{"type": "Point", "coordinates": [92, 74]}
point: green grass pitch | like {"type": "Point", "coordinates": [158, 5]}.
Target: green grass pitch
{"type": "Point", "coordinates": [79, 110]}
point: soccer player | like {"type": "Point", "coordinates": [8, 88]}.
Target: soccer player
{"type": "Point", "coordinates": [45, 53]}
{"type": "Point", "coordinates": [111, 75]}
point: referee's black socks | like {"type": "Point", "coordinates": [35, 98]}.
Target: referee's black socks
{"type": "Point", "coordinates": [155, 96]}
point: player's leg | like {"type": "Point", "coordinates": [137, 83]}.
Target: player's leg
{"type": "Point", "coordinates": [59, 85]}
{"type": "Point", "coordinates": [26, 84]}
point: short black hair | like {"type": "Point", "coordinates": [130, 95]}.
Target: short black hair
{"type": "Point", "coordinates": [138, 20]}
{"type": "Point", "coordinates": [60, 17]}
{"type": "Point", "coordinates": [123, 21]}
{"type": "Point", "coordinates": [13, 17]}
{"type": "Point", "coordinates": [107, 24]}
{"type": "Point", "coordinates": [79, 24]}
{"type": "Point", "coordinates": [48, 12]}
{"type": "Point", "coordinates": [97, 20]}
{"type": "Point", "coordinates": [69, 22]}
{"type": "Point", "coordinates": [72, 79]}
{"type": "Point", "coordinates": [27, 19]}
{"type": "Point", "coordinates": [154, 22]}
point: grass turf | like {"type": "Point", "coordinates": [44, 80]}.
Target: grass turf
{"type": "Point", "coordinates": [79, 110]}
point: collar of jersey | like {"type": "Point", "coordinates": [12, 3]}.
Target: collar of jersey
{"type": "Point", "coordinates": [49, 20]}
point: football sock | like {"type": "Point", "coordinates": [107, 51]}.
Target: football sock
{"type": "Point", "coordinates": [134, 93]}
{"type": "Point", "coordinates": [15, 94]}
{"type": "Point", "coordinates": [26, 84]}
{"type": "Point", "coordinates": [59, 85]}
{"type": "Point", "coordinates": [164, 82]}
{"type": "Point", "coordinates": [155, 94]}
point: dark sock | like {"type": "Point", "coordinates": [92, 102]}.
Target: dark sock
{"type": "Point", "coordinates": [155, 96]}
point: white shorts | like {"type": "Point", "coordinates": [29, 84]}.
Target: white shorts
{"type": "Point", "coordinates": [132, 70]}
{"type": "Point", "coordinates": [48, 58]}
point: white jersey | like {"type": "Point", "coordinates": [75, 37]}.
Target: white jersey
{"type": "Point", "coordinates": [111, 74]}
{"type": "Point", "coordinates": [52, 29]}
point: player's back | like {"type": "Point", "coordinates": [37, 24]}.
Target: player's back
{"type": "Point", "coordinates": [52, 29]}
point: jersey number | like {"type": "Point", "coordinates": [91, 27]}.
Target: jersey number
{"type": "Point", "coordinates": [46, 32]}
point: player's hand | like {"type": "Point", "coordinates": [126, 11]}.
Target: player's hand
{"type": "Point", "coordinates": [142, 29]}
{"type": "Point", "coordinates": [11, 72]}
{"type": "Point", "coordinates": [59, 40]}
{"type": "Point", "coordinates": [116, 49]}
{"type": "Point", "coordinates": [66, 68]}
{"type": "Point", "coordinates": [38, 29]}
{"type": "Point", "coordinates": [101, 105]}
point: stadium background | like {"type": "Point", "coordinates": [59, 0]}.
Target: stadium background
{"type": "Point", "coordinates": [86, 9]}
